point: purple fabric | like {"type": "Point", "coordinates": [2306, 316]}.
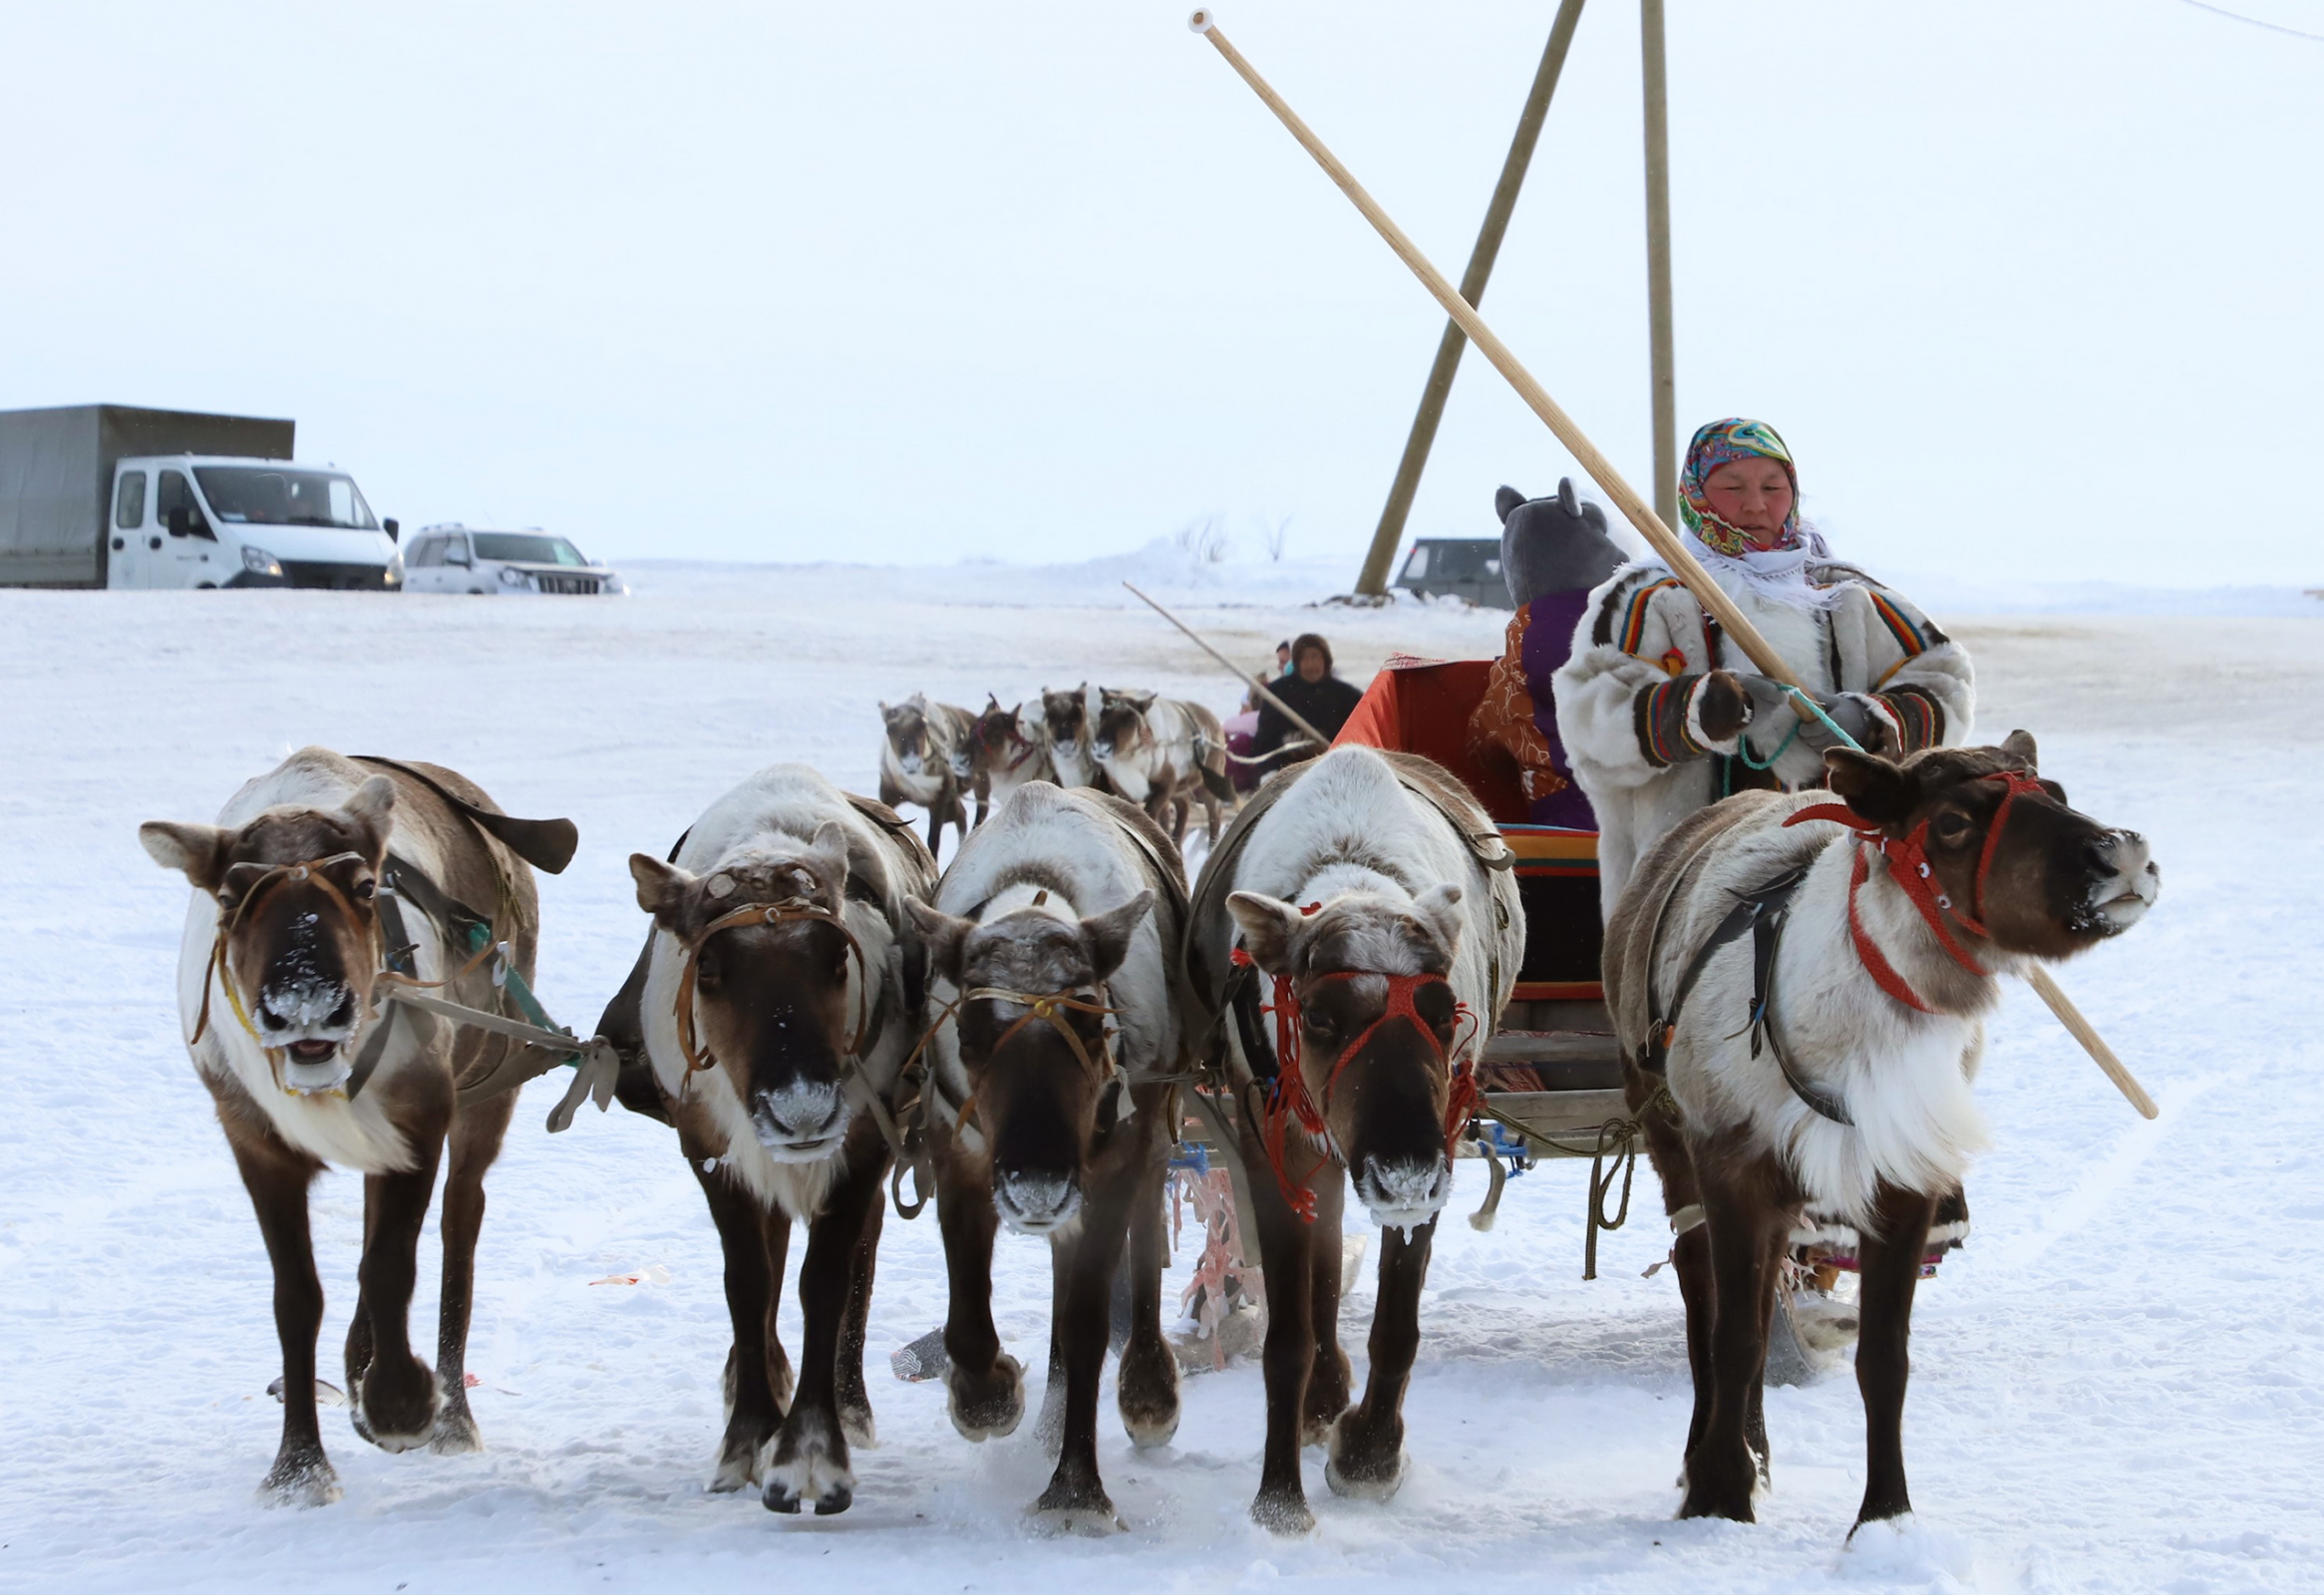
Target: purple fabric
{"type": "Point", "coordinates": [1548, 643]}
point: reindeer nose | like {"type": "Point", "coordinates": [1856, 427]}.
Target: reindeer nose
{"type": "Point", "coordinates": [803, 1111]}
{"type": "Point", "coordinates": [1035, 1198]}
{"type": "Point", "coordinates": [306, 1003]}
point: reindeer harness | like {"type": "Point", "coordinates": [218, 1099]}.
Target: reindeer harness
{"type": "Point", "coordinates": [1289, 1098]}
{"type": "Point", "coordinates": [400, 878]}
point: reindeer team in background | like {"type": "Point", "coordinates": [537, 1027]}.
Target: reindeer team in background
{"type": "Point", "coordinates": [1165, 754]}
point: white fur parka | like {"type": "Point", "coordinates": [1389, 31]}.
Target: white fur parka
{"type": "Point", "coordinates": [1623, 695]}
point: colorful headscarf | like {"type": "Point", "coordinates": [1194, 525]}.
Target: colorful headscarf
{"type": "Point", "coordinates": [1717, 445]}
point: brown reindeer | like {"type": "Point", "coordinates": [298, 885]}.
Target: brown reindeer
{"type": "Point", "coordinates": [1163, 754]}
{"type": "Point", "coordinates": [1068, 720]}
{"type": "Point", "coordinates": [1008, 748]}
{"type": "Point", "coordinates": [1062, 914]}
{"type": "Point", "coordinates": [281, 977]}
{"type": "Point", "coordinates": [925, 760]}
{"type": "Point", "coordinates": [1799, 987]}
{"type": "Point", "coordinates": [773, 1006]}
{"type": "Point", "coordinates": [1357, 890]}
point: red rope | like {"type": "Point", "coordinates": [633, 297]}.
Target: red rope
{"type": "Point", "coordinates": [1290, 1100]}
{"type": "Point", "coordinates": [1919, 883]}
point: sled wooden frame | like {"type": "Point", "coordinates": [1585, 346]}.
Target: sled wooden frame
{"type": "Point", "coordinates": [1665, 543]}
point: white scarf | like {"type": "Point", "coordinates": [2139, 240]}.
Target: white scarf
{"type": "Point", "coordinates": [1776, 576]}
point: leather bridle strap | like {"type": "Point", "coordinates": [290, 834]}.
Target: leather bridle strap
{"type": "Point", "coordinates": [791, 911]}
{"type": "Point", "coordinates": [219, 965]}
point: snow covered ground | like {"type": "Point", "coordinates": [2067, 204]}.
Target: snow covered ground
{"type": "Point", "coordinates": [2120, 1384]}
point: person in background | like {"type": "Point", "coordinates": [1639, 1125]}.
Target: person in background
{"type": "Point", "coordinates": [1662, 713]}
{"type": "Point", "coordinates": [1250, 700]}
{"type": "Point", "coordinates": [1312, 692]}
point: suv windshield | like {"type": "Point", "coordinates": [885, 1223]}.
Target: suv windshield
{"type": "Point", "coordinates": [526, 548]}
{"type": "Point", "coordinates": [261, 496]}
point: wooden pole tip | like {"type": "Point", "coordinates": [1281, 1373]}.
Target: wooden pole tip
{"type": "Point", "coordinates": [1200, 21]}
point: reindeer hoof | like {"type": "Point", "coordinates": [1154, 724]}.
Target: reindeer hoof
{"type": "Point", "coordinates": [456, 1434]}
{"type": "Point", "coordinates": [305, 1479]}
{"type": "Point", "coordinates": [813, 1475]}
{"type": "Point", "coordinates": [987, 1406]}
{"type": "Point", "coordinates": [395, 1408]}
{"type": "Point", "coordinates": [780, 1498]}
{"type": "Point", "coordinates": [1361, 1469]}
{"type": "Point", "coordinates": [863, 1434]}
{"type": "Point", "coordinates": [1286, 1513]}
{"type": "Point", "coordinates": [1149, 1395]}
{"type": "Point", "coordinates": [1091, 1522]}
{"type": "Point", "coordinates": [837, 1500]}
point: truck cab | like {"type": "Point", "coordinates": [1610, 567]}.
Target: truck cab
{"type": "Point", "coordinates": [220, 521]}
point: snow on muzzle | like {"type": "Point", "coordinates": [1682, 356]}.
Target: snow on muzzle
{"type": "Point", "coordinates": [1402, 1192]}
{"type": "Point", "coordinates": [1036, 1201]}
{"type": "Point", "coordinates": [800, 1122]}
{"type": "Point", "coordinates": [2125, 882]}
{"type": "Point", "coordinates": [309, 1018]}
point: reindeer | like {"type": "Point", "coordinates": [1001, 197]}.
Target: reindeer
{"type": "Point", "coordinates": [1163, 754]}
{"type": "Point", "coordinates": [1068, 719]}
{"type": "Point", "coordinates": [1066, 911]}
{"type": "Point", "coordinates": [1824, 1063]}
{"type": "Point", "coordinates": [1364, 891]}
{"type": "Point", "coordinates": [774, 1004]}
{"type": "Point", "coordinates": [1009, 748]}
{"type": "Point", "coordinates": [323, 880]}
{"type": "Point", "coordinates": [922, 760]}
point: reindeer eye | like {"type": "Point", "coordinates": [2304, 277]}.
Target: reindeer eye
{"type": "Point", "coordinates": [1951, 827]}
{"type": "Point", "coordinates": [364, 890]}
{"type": "Point", "coordinates": [708, 972]}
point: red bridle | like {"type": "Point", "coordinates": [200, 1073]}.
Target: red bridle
{"type": "Point", "coordinates": [1919, 883]}
{"type": "Point", "coordinates": [1290, 1099]}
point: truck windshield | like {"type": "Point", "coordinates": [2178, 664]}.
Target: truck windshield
{"type": "Point", "coordinates": [526, 549]}
{"type": "Point", "coordinates": [261, 496]}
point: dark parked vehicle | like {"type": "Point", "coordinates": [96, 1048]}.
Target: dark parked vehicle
{"type": "Point", "coordinates": [1461, 567]}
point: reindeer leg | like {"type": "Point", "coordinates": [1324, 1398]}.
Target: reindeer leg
{"type": "Point", "coordinates": [1049, 1426]}
{"type": "Point", "coordinates": [1367, 1451]}
{"type": "Point", "coordinates": [1147, 1385]}
{"type": "Point", "coordinates": [774, 1245]}
{"type": "Point", "coordinates": [1721, 1471]}
{"type": "Point", "coordinates": [856, 1419]}
{"type": "Point", "coordinates": [397, 1399]}
{"type": "Point", "coordinates": [1287, 1259]}
{"type": "Point", "coordinates": [1330, 1380]}
{"type": "Point", "coordinates": [1891, 1271]}
{"type": "Point", "coordinates": [475, 1142]}
{"type": "Point", "coordinates": [1690, 1256]}
{"type": "Point", "coordinates": [810, 1461]}
{"type": "Point", "coordinates": [986, 1385]}
{"type": "Point", "coordinates": [1075, 1497]}
{"type": "Point", "coordinates": [278, 1177]}
{"type": "Point", "coordinates": [754, 1404]}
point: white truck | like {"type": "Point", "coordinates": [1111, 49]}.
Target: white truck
{"type": "Point", "coordinates": [109, 495]}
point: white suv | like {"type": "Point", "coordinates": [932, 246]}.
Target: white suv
{"type": "Point", "coordinates": [453, 558]}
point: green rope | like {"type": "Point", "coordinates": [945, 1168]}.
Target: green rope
{"type": "Point", "coordinates": [1743, 748]}
{"type": "Point", "coordinates": [1799, 698]}
{"type": "Point", "coordinates": [513, 983]}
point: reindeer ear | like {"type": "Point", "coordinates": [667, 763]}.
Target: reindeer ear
{"type": "Point", "coordinates": [1268, 924]}
{"type": "Point", "coordinates": [827, 858]}
{"type": "Point", "coordinates": [1872, 786]}
{"type": "Point", "coordinates": [1438, 908]}
{"type": "Point", "coordinates": [1110, 933]}
{"type": "Point", "coordinates": [373, 809]}
{"type": "Point", "coordinates": [666, 892]}
{"type": "Point", "coordinates": [1141, 701]}
{"type": "Point", "coordinates": [2020, 745]}
{"type": "Point", "coordinates": [1506, 501]}
{"type": "Point", "coordinates": [941, 937]}
{"type": "Point", "coordinates": [197, 852]}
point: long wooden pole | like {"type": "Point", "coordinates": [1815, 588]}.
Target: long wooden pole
{"type": "Point", "coordinates": [1663, 383]}
{"type": "Point", "coordinates": [1372, 581]}
{"type": "Point", "coordinates": [1234, 670]}
{"type": "Point", "coordinates": [1658, 535]}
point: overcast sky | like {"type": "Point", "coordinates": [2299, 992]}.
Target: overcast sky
{"type": "Point", "coordinates": [2030, 287]}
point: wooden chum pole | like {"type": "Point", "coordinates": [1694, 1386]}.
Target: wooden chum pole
{"type": "Point", "coordinates": [1372, 581]}
{"type": "Point", "coordinates": [1659, 536]}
